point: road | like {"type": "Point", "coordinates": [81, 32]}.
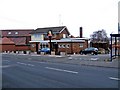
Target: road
{"type": "Point", "coordinates": [19, 71]}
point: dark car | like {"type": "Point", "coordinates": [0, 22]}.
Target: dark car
{"type": "Point", "coordinates": [45, 50]}
{"type": "Point", "coordinates": [91, 50]}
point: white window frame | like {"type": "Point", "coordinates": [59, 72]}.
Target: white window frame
{"type": "Point", "coordinates": [67, 45]}
{"type": "Point", "coordinates": [16, 32]}
{"type": "Point", "coordinates": [63, 46]}
{"type": "Point", "coordinates": [64, 35]}
{"type": "Point", "coordinates": [81, 45]}
{"type": "Point", "coordinates": [60, 46]}
{"type": "Point", "coordinates": [9, 33]}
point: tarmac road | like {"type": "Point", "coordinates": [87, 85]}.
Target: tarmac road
{"type": "Point", "coordinates": [20, 71]}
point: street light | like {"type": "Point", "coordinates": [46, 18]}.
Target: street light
{"type": "Point", "coordinates": [50, 37]}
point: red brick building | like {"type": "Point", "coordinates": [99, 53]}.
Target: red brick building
{"type": "Point", "coordinates": [61, 37]}
{"type": "Point", "coordinates": [6, 44]}
{"type": "Point", "coordinates": [20, 38]}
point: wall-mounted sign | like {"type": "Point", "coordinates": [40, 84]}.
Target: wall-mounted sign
{"type": "Point", "coordinates": [49, 33]}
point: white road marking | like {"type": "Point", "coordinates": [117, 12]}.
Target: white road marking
{"type": "Point", "coordinates": [6, 66]}
{"type": "Point", "coordinates": [62, 70]}
{"type": "Point", "coordinates": [114, 78]}
{"type": "Point", "coordinates": [22, 63]}
{"type": "Point", "coordinates": [35, 55]}
{"type": "Point", "coordinates": [25, 64]}
{"type": "Point", "coordinates": [6, 60]}
{"type": "Point", "coordinates": [30, 64]}
{"type": "Point", "coordinates": [94, 58]}
{"type": "Point", "coordinates": [41, 62]}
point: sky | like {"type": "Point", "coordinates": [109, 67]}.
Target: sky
{"type": "Point", "coordinates": [92, 15]}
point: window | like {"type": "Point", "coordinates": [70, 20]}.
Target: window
{"type": "Point", "coordinates": [33, 45]}
{"type": "Point", "coordinates": [63, 46]}
{"type": "Point", "coordinates": [64, 35]}
{"type": "Point", "coordinates": [9, 32]}
{"type": "Point", "coordinates": [60, 46]}
{"type": "Point", "coordinates": [81, 44]}
{"type": "Point", "coordinates": [68, 45]}
{"type": "Point", "coordinates": [16, 32]}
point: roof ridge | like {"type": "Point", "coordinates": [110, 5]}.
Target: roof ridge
{"type": "Point", "coordinates": [51, 27]}
{"type": "Point", "coordinates": [16, 29]}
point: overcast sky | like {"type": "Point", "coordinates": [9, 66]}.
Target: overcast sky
{"type": "Point", "coordinates": [92, 15]}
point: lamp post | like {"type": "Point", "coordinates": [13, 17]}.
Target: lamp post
{"type": "Point", "coordinates": [50, 37]}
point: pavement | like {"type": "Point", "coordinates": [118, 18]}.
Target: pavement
{"type": "Point", "coordinates": [87, 60]}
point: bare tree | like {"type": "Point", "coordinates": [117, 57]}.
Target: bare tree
{"type": "Point", "coordinates": [99, 36]}
{"type": "Point", "coordinates": [99, 39]}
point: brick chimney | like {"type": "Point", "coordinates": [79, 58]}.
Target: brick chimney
{"type": "Point", "coordinates": [81, 32]}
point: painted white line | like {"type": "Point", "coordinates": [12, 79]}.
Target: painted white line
{"type": "Point", "coordinates": [5, 66]}
{"type": "Point", "coordinates": [35, 55]}
{"type": "Point", "coordinates": [94, 59]}
{"type": "Point", "coordinates": [62, 70]}
{"type": "Point", "coordinates": [30, 64]}
{"type": "Point", "coordinates": [22, 63]}
{"type": "Point", "coordinates": [25, 64]}
{"type": "Point", "coordinates": [41, 62]}
{"type": "Point", "coordinates": [6, 60]}
{"type": "Point", "coordinates": [114, 78]}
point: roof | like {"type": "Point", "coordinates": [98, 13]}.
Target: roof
{"type": "Point", "coordinates": [61, 40]}
{"type": "Point", "coordinates": [6, 40]}
{"type": "Point", "coordinates": [16, 32]}
{"type": "Point", "coordinates": [115, 35]}
{"type": "Point", "coordinates": [58, 29]}
{"type": "Point", "coordinates": [19, 41]}
{"type": "Point", "coordinates": [75, 38]}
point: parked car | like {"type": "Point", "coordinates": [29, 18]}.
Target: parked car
{"type": "Point", "coordinates": [91, 50]}
{"type": "Point", "coordinates": [45, 50]}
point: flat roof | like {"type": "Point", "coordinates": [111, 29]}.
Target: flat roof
{"type": "Point", "coordinates": [46, 41]}
{"type": "Point", "coordinates": [115, 35]}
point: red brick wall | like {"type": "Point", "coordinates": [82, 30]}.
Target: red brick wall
{"type": "Point", "coordinates": [74, 47]}
{"type": "Point", "coordinates": [7, 47]}
{"type": "Point", "coordinates": [22, 48]}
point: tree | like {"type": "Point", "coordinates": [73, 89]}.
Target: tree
{"type": "Point", "coordinates": [99, 39]}
{"type": "Point", "coordinates": [99, 36]}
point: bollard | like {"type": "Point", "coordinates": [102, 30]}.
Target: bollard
{"type": "Point", "coordinates": [24, 52]}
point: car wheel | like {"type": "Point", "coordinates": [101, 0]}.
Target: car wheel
{"type": "Point", "coordinates": [81, 53]}
{"type": "Point", "coordinates": [96, 54]}
{"type": "Point", "coordinates": [92, 53]}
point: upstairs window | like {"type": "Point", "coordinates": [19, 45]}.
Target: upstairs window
{"type": "Point", "coordinates": [64, 35]}
{"type": "Point", "coordinates": [9, 33]}
{"type": "Point", "coordinates": [16, 32]}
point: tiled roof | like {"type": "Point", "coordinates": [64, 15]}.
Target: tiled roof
{"type": "Point", "coordinates": [19, 41]}
{"type": "Point", "coordinates": [6, 40]}
{"type": "Point", "coordinates": [46, 29]}
{"type": "Point", "coordinates": [17, 32]}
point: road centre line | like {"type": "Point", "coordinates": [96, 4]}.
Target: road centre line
{"type": "Point", "coordinates": [22, 63]}
{"type": "Point", "coordinates": [6, 66]}
{"type": "Point", "coordinates": [61, 70]}
{"type": "Point", "coordinates": [114, 78]}
{"type": "Point", "coordinates": [6, 60]}
{"type": "Point", "coordinates": [30, 64]}
{"type": "Point", "coordinates": [25, 64]}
